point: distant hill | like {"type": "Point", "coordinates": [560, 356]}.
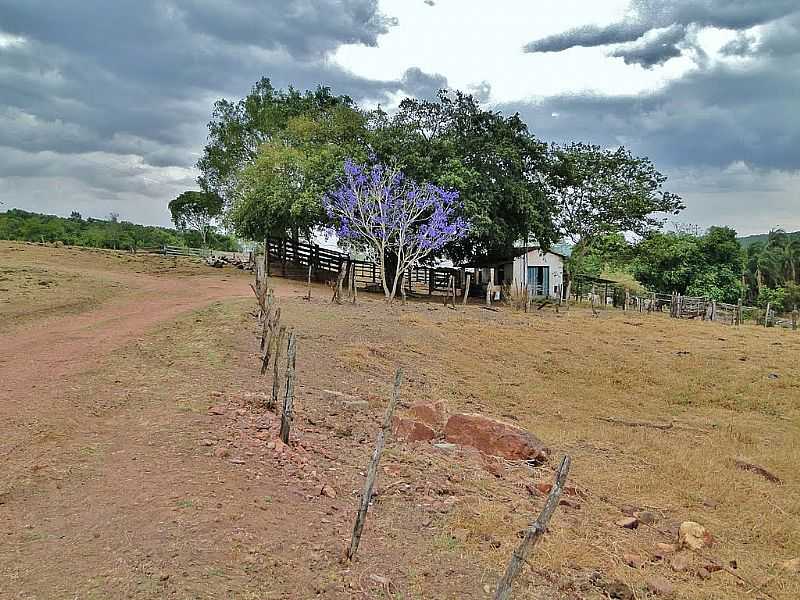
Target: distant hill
{"type": "Point", "coordinates": [760, 237]}
{"type": "Point", "coordinates": [26, 226]}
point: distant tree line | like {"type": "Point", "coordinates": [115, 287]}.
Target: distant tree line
{"type": "Point", "coordinates": [109, 233]}
{"type": "Point", "coordinates": [713, 264]}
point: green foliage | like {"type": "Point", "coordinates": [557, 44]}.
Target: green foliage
{"type": "Point", "coordinates": [196, 211]}
{"type": "Point", "coordinates": [273, 154]}
{"type": "Point", "coordinates": [96, 233]}
{"type": "Point", "coordinates": [775, 297]}
{"type": "Point", "coordinates": [493, 161]}
{"type": "Point", "coordinates": [709, 265]}
{"type": "Point", "coordinates": [238, 129]}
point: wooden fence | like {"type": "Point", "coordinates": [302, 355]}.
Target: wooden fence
{"type": "Point", "coordinates": [290, 258]}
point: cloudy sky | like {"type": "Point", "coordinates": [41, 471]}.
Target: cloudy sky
{"type": "Point", "coordinates": [104, 105]}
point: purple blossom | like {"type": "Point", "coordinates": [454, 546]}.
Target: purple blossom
{"type": "Point", "coordinates": [380, 206]}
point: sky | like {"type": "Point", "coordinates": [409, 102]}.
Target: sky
{"type": "Point", "coordinates": [104, 105]}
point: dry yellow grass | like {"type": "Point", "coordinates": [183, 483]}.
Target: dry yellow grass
{"type": "Point", "coordinates": [730, 392]}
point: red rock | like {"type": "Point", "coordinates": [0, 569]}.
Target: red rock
{"type": "Point", "coordinates": [216, 410]}
{"type": "Point", "coordinates": [327, 491]}
{"type": "Point", "coordinates": [633, 560]}
{"type": "Point", "coordinates": [433, 415]}
{"type": "Point", "coordinates": [412, 431]}
{"type": "Point", "coordinates": [628, 523]}
{"type": "Point", "coordinates": [221, 452]}
{"type": "Point", "coordinates": [494, 437]}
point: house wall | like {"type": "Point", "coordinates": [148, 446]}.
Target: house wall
{"type": "Point", "coordinates": [537, 258]}
{"type": "Point", "coordinates": [514, 272]}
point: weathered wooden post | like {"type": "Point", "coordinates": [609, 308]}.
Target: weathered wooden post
{"type": "Point", "coordinates": [533, 534]}
{"type": "Point", "coordinates": [490, 287]}
{"type": "Point", "coordinates": [276, 370]}
{"type": "Point", "coordinates": [739, 313]}
{"type": "Point", "coordinates": [355, 284]}
{"type": "Point", "coordinates": [795, 315]}
{"type": "Point", "coordinates": [273, 324]}
{"type": "Point", "coordinates": [466, 291]}
{"type": "Point", "coordinates": [453, 287]}
{"type": "Point", "coordinates": [308, 294]}
{"type": "Point", "coordinates": [627, 299]}
{"type": "Point", "coordinates": [372, 471]}
{"type": "Point", "coordinates": [766, 315]}
{"type": "Point", "coordinates": [288, 397]}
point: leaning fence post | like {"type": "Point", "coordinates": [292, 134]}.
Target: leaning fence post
{"type": "Point", "coordinates": [276, 370]}
{"type": "Point", "coordinates": [533, 534]}
{"type": "Point", "coordinates": [372, 471]}
{"type": "Point", "coordinates": [288, 398]}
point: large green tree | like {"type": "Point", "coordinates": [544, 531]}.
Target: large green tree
{"type": "Point", "coordinates": [492, 160]}
{"type": "Point", "coordinates": [271, 155]}
{"type": "Point", "coordinates": [598, 192]}
{"type": "Point", "coordinates": [196, 211]}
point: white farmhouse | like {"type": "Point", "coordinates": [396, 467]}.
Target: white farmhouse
{"type": "Point", "coordinates": [541, 272]}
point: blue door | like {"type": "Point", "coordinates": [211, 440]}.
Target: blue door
{"type": "Point", "coordinates": [539, 281]}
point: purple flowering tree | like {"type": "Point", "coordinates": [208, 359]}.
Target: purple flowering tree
{"type": "Point", "coordinates": [379, 207]}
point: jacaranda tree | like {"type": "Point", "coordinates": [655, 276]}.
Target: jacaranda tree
{"type": "Point", "coordinates": [379, 208]}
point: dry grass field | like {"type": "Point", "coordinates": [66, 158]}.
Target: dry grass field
{"type": "Point", "coordinates": [115, 475]}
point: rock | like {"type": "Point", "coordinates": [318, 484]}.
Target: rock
{"type": "Point", "coordinates": [645, 516]}
{"type": "Point", "coordinates": [433, 415]}
{"type": "Point", "coordinates": [663, 550]}
{"type": "Point", "coordinates": [793, 565]}
{"type": "Point", "coordinates": [411, 430]}
{"type": "Point", "coordinates": [569, 502]}
{"type": "Point", "coordinates": [633, 560]}
{"type": "Point", "coordinates": [679, 562]}
{"type": "Point", "coordinates": [238, 461]}
{"type": "Point", "coordinates": [494, 437]}
{"type": "Point", "coordinates": [619, 590]}
{"type": "Point", "coordinates": [773, 376]}
{"type": "Point", "coordinates": [628, 523]}
{"type": "Point", "coordinates": [271, 445]}
{"type": "Point", "coordinates": [327, 491]}
{"type": "Point", "coordinates": [703, 573]}
{"type": "Point", "coordinates": [660, 586]}
{"type": "Point", "coordinates": [207, 443]}
{"type": "Point", "coordinates": [694, 536]}
{"type": "Point", "coordinates": [544, 489]}
{"type": "Point", "coordinates": [221, 452]}
{"type": "Point", "coordinates": [216, 410]}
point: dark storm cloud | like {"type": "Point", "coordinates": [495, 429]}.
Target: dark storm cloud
{"type": "Point", "coordinates": [717, 114]}
{"type": "Point", "coordinates": [421, 84]}
{"type": "Point", "coordinates": [676, 15]}
{"type": "Point", "coordinates": [651, 50]}
{"type": "Point", "coordinates": [133, 82]}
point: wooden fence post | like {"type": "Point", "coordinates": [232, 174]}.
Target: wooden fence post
{"type": "Point", "coordinates": [276, 370]}
{"type": "Point", "coordinates": [490, 287]}
{"type": "Point", "coordinates": [466, 291]}
{"type": "Point", "coordinates": [288, 397]}
{"type": "Point", "coordinates": [533, 534]}
{"type": "Point", "coordinates": [794, 319]}
{"type": "Point", "coordinates": [372, 471]}
{"type": "Point", "coordinates": [739, 313]}
{"type": "Point", "coordinates": [766, 315]}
